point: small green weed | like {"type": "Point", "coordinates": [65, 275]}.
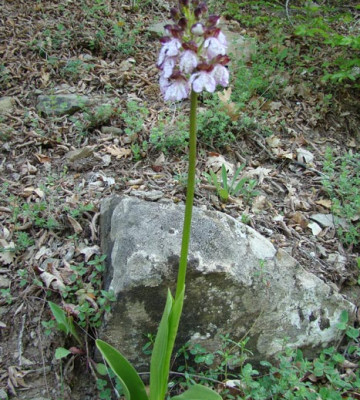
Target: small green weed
{"type": "Point", "coordinates": [139, 151]}
{"type": "Point", "coordinates": [75, 68]}
{"type": "Point", "coordinates": [167, 136]}
{"type": "Point", "coordinates": [134, 118]}
{"type": "Point", "coordinates": [6, 295]}
{"type": "Point", "coordinates": [292, 376]}
{"type": "Point", "coordinates": [342, 183]}
{"type": "Point", "coordinates": [216, 128]}
{"type": "Point", "coordinates": [90, 301]}
{"type": "Point", "coordinates": [243, 187]}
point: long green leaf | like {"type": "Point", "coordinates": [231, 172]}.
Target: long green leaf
{"type": "Point", "coordinates": [64, 322]}
{"type": "Point", "coordinates": [163, 347]}
{"type": "Point", "coordinates": [224, 177]}
{"type": "Point", "coordinates": [198, 392]}
{"type": "Point", "coordinates": [237, 173]}
{"type": "Point", "coordinates": [159, 370]}
{"type": "Point", "coordinates": [133, 386]}
{"type": "Point", "coordinates": [60, 317]}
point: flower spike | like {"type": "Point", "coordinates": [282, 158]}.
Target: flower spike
{"type": "Point", "coordinates": [193, 52]}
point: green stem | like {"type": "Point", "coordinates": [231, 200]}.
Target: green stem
{"type": "Point", "coordinates": [189, 198]}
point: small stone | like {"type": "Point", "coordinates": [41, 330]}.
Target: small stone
{"type": "Point", "coordinates": [304, 156]}
{"type": "Point", "coordinates": [338, 261]}
{"type": "Point", "coordinates": [315, 228]}
{"type": "Point", "coordinates": [6, 105]}
{"type": "Point", "coordinates": [78, 154]}
{"type": "Point", "coordinates": [152, 195]}
{"type": "Point", "coordinates": [4, 282]}
{"type": "Point", "coordinates": [111, 130]}
{"type": "Point", "coordinates": [61, 104]}
{"type": "Point", "coordinates": [324, 220]}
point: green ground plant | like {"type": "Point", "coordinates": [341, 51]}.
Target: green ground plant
{"type": "Point", "coordinates": [314, 24]}
{"type": "Point", "coordinates": [167, 136]}
{"type": "Point", "coordinates": [244, 187]}
{"type": "Point", "coordinates": [290, 376]}
{"type": "Point", "coordinates": [342, 183]}
{"type": "Point", "coordinates": [134, 117]}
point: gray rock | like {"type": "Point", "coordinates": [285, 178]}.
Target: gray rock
{"type": "Point", "coordinates": [324, 220]}
{"type": "Point", "coordinates": [151, 195]}
{"type": "Point", "coordinates": [112, 130]}
{"type": "Point", "coordinates": [6, 105]}
{"type": "Point", "coordinates": [4, 282]}
{"type": "Point", "coordinates": [61, 104]}
{"type": "Point", "coordinates": [237, 283]}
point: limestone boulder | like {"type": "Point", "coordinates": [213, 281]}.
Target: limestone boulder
{"type": "Point", "coordinates": [237, 283]}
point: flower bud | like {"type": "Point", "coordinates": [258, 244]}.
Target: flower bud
{"type": "Point", "coordinates": [212, 21]}
{"type": "Point", "coordinates": [198, 29]}
{"type": "Point", "coordinates": [183, 3]}
{"type": "Point", "coordinates": [175, 14]}
{"type": "Point", "coordinates": [183, 23]}
{"type": "Point", "coordinates": [190, 46]}
{"type": "Point", "coordinates": [200, 9]}
{"type": "Point", "coordinates": [222, 59]}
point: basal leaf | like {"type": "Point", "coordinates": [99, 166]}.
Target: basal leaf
{"type": "Point", "coordinates": [224, 177]}
{"type": "Point", "coordinates": [133, 386]}
{"type": "Point", "coordinates": [60, 317]}
{"type": "Point", "coordinates": [198, 392]}
{"type": "Point", "coordinates": [159, 368]}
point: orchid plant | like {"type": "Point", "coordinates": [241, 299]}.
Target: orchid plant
{"type": "Point", "coordinates": [192, 59]}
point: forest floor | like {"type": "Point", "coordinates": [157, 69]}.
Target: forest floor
{"type": "Point", "coordinates": [295, 137]}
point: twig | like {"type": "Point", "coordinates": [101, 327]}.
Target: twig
{"type": "Point", "coordinates": [20, 344]}
{"type": "Point", "coordinates": [287, 12]}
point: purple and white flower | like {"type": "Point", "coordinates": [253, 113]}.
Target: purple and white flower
{"type": "Point", "coordinates": [221, 75]}
{"type": "Point", "coordinates": [175, 89]}
{"type": "Point", "coordinates": [169, 49]}
{"type": "Point", "coordinates": [193, 54]}
{"type": "Point", "coordinates": [214, 47]}
{"type": "Point", "coordinates": [168, 66]}
{"type": "Point", "coordinates": [188, 61]}
{"type": "Point", "coordinates": [202, 80]}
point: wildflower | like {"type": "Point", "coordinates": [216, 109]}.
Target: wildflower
{"type": "Point", "coordinates": [175, 89]}
{"type": "Point", "coordinates": [168, 66]}
{"type": "Point", "coordinates": [203, 80]}
{"type": "Point", "coordinates": [197, 29]}
{"type": "Point", "coordinates": [193, 53]}
{"type": "Point", "coordinates": [214, 47]}
{"type": "Point", "coordinates": [221, 75]}
{"type": "Point", "coordinates": [169, 49]}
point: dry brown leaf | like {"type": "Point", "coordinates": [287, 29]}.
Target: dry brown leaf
{"type": "Point", "coordinates": [299, 219]}
{"type": "Point", "coordinates": [42, 158]}
{"type": "Point", "coordinates": [260, 172]}
{"type": "Point", "coordinates": [76, 226]}
{"type": "Point", "coordinates": [89, 251]}
{"type": "Point", "coordinates": [231, 108]}
{"type": "Point", "coordinates": [118, 152]}
{"type": "Point", "coordinates": [275, 105]}
{"type": "Point", "coordinates": [259, 204]}
{"type": "Point", "coordinates": [273, 141]}
{"type": "Point", "coordinates": [325, 203]}
{"type": "Point", "coordinates": [7, 255]}
{"type": "Point", "coordinates": [52, 280]}
{"type": "Point", "coordinates": [280, 153]}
